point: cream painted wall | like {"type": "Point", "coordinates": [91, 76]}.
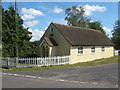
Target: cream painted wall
{"type": "Point", "coordinates": [63, 47]}
{"type": "Point", "coordinates": [88, 56]}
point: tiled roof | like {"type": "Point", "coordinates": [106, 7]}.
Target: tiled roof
{"type": "Point", "coordinates": [82, 36]}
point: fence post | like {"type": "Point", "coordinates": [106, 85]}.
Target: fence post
{"type": "Point", "coordinates": [16, 59]}
{"type": "Point", "coordinates": [68, 60]}
{"type": "Point", "coordinates": [7, 62]}
{"type": "Point", "coordinates": [58, 59]}
{"type": "Point", "coordinates": [36, 61]}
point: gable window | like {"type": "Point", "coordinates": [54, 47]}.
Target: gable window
{"type": "Point", "coordinates": [102, 49]}
{"type": "Point", "coordinates": [80, 50]}
{"type": "Point", "coordinates": [51, 30]}
{"type": "Point", "coordinates": [92, 49]}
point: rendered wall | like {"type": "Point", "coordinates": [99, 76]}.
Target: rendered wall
{"type": "Point", "coordinates": [63, 47]}
{"type": "Point", "coordinates": [88, 56]}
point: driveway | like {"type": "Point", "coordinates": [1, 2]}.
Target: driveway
{"type": "Point", "coordinates": [103, 74]}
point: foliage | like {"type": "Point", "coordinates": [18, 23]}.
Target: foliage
{"type": "Point", "coordinates": [15, 37]}
{"type": "Point", "coordinates": [45, 49]}
{"type": "Point", "coordinates": [116, 35]}
{"type": "Point", "coordinates": [33, 49]}
{"type": "Point", "coordinates": [75, 16]}
{"type": "Point", "coordinates": [96, 25]}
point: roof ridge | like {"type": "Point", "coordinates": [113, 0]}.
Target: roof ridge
{"type": "Point", "coordinates": [78, 27]}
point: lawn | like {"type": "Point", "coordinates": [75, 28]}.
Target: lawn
{"type": "Point", "coordinates": [114, 59]}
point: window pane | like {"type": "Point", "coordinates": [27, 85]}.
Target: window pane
{"type": "Point", "coordinates": [51, 30]}
{"type": "Point", "coordinates": [102, 48]}
{"type": "Point", "coordinates": [80, 50]}
{"type": "Point", "coordinates": [93, 49]}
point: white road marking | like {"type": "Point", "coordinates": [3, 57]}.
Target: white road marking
{"type": "Point", "coordinates": [22, 75]}
{"type": "Point", "coordinates": [74, 81]}
{"type": "Point", "coordinates": [94, 83]}
{"type": "Point", "coordinates": [83, 82]}
{"type": "Point", "coordinates": [15, 74]}
{"type": "Point", "coordinates": [28, 76]}
{"type": "Point", "coordinates": [39, 77]}
{"type": "Point", "coordinates": [61, 80]}
{"type": "Point", "coordinates": [4, 73]}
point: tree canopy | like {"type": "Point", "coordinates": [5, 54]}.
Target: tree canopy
{"type": "Point", "coordinates": [15, 38]}
{"type": "Point", "coordinates": [33, 49]}
{"type": "Point", "coordinates": [75, 16]}
{"type": "Point", "coordinates": [96, 25]}
{"type": "Point", "coordinates": [116, 35]}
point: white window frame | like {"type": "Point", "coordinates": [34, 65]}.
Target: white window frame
{"type": "Point", "coordinates": [92, 49]}
{"type": "Point", "coordinates": [102, 48]}
{"type": "Point", "coordinates": [80, 50]}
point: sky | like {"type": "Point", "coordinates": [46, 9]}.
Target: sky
{"type": "Point", "coordinates": [38, 15]}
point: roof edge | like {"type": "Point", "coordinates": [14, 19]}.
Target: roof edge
{"type": "Point", "coordinates": [78, 27]}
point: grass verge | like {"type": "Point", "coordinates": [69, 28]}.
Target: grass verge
{"type": "Point", "coordinates": [114, 59]}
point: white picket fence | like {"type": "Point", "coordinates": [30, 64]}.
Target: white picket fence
{"type": "Point", "coordinates": [116, 52]}
{"type": "Point", "coordinates": [37, 62]}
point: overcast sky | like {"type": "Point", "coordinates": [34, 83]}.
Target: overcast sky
{"type": "Point", "coordinates": [38, 15]}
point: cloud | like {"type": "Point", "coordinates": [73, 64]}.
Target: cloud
{"type": "Point", "coordinates": [45, 28]}
{"type": "Point", "coordinates": [27, 17]}
{"type": "Point", "coordinates": [24, 26]}
{"type": "Point", "coordinates": [90, 9]}
{"type": "Point", "coordinates": [36, 34]}
{"type": "Point", "coordinates": [107, 30]}
{"type": "Point", "coordinates": [32, 11]}
{"type": "Point", "coordinates": [58, 10]}
{"type": "Point", "coordinates": [31, 23]}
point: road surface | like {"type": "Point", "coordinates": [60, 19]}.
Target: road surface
{"type": "Point", "coordinates": [77, 77]}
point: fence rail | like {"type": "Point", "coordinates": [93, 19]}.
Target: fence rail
{"type": "Point", "coordinates": [8, 62]}
{"type": "Point", "coordinates": [35, 62]}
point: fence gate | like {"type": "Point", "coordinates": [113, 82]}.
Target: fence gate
{"type": "Point", "coordinates": [8, 62]}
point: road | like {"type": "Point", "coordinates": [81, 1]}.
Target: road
{"type": "Point", "coordinates": [23, 82]}
{"type": "Point", "coordinates": [76, 77]}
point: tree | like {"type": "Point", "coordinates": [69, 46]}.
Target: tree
{"type": "Point", "coordinates": [15, 37]}
{"type": "Point", "coordinates": [116, 35]}
{"type": "Point", "coordinates": [76, 17]}
{"type": "Point", "coordinates": [33, 49]}
{"type": "Point", "coordinates": [96, 25]}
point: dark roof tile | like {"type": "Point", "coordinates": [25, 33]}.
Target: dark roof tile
{"type": "Point", "coordinates": [50, 41]}
{"type": "Point", "coordinates": [82, 36]}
